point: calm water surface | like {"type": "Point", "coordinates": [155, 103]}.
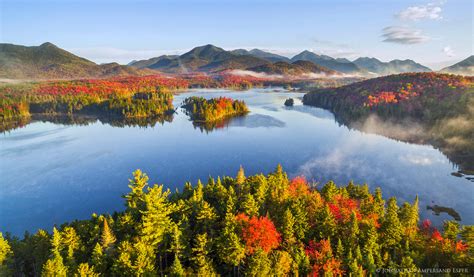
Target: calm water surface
{"type": "Point", "coordinates": [52, 173]}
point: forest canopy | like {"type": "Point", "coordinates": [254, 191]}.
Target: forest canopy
{"type": "Point", "coordinates": [258, 225]}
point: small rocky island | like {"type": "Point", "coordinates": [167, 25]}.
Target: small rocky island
{"type": "Point", "coordinates": [211, 110]}
{"type": "Point", "coordinates": [289, 102]}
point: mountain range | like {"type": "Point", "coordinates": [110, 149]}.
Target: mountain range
{"type": "Point", "coordinates": [48, 61]}
{"type": "Point", "coordinates": [464, 67]}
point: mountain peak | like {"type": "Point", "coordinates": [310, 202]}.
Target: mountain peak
{"type": "Point", "coordinates": [47, 44]}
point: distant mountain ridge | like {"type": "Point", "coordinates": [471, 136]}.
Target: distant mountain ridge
{"type": "Point", "coordinates": [344, 66]}
{"type": "Point", "coordinates": [295, 68]}
{"type": "Point", "coordinates": [393, 67]}
{"type": "Point", "coordinates": [262, 54]}
{"type": "Point", "coordinates": [464, 67]}
{"type": "Point", "coordinates": [207, 58]}
{"type": "Point", "coordinates": [48, 61]}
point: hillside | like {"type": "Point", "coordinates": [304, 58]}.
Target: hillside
{"type": "Point", "coordinates": [48, 61]}
{"type": "Point", "coordinates": [393, 67]}
{"type": "Point", "coordinates": [262, 54]}
{"type": "Point", "coordinates": [207, 58]}
{"type": "Point", "coordinates": [343, 66]}
{"type": "Point", "coordinates": [424, 107]}
{"type": "Point", "coordinates": [464, 67]}
{"type": "Point", "coordinates": [152, 61]}
{"type": "Point", "coordinates": [296, 68]}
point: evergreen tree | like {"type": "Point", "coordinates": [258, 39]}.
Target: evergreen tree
{"type": "Point", "coordinates": [379, 203]}
{"type": "Point", "coordinates": [98, 259]}
{"type": "Point", "coordinates": [240, 179]}
{"type": "Point", "coordinates": [281, 263]}
{"type": "Point", "coordinates": [355, 270]}
{"type": "Point", "coordinates": [288, 227]}
{"type": "Point", "coordinates": [327, 223]}
{"type": "Point", "coordinates": [84, 270]}
{"type": "Point", "coordinates": [354, 231]}
{"type": "Point", "coordinates": [329, 190]}
{"type": "Point", "coordinates": [391, 226]}
{"type": "Point", "coordinates": [451, 229]}
{"type": "Point", "coordinates": [55, 266]}
{"type": "Point", "coordinates": [135, 196]}
{"type": "Point", "coordinates": [107, 238]}
{"type": "Point", "coordinates": [202, 263]}
{"type": "Point", "coordinates": [5, 256]}
{"type": "Point", "coordinates": [339, 249]}
{"type": "Point", "coordinates": [258, 264]}
{"type": "Point", "coordinates": [250, 206]}
{"type": "Point", "coordinates": [156, 217]}
{"type": "Point", "coordinates": [177, 269]}
{"type": "Point", "coordinates": [71, 243]}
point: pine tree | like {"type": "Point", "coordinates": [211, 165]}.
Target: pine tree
{"type": "Point", "coordinates": [451, 229]}
{"type": "Point", "coordinates": [339, 249]}
{"type": "Point", "coordinates": [353, 231]}
{"type": "Point", "coordinates": [355, 270]}
{"type": "Point", "coordinates": [391, 227]}
{"type": "Point", "coordinates": [135, 196]}
{"type": "Point", "coordinates": [379, 203]}
{"type": "Point", "coordinates": [282, 263]}
{"type": "Point", "coordinates": [5, 249]}
{"type": "Point", "coordinates": [156, 217]}
{"type": "Point", "coordinates": [5, 256]}
{"type": "Point", "coordinates": [107, 238]}
{"type": "Point", "coordinates": [327, 223]}
{"type": "Point", "coordinates": [240, 179]}
{"type": "Point", "coordinates": [55, 267]}
{"type": "Point", "coordinates": [202, 262]}
{"type": "Point", "coordinates": [288, 227]}
{"type": "Point", "coordinates": [250, 206]}
{"type": "Point", "coordinates": [84, 270]}
{"type": "Point", "coordinates": [329, 190]}
{"type": "Point", "coordinates": [71, 242]}
{"type": "Point", "coordinates": [258, 264]}
{"type": "Point", "coordinates": [177, 269]}
{"type": "Point", "coordinates": [98, 259]}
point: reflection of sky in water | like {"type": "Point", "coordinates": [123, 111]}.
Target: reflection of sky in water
{"type": "Point", "coordinates": [54, 173]}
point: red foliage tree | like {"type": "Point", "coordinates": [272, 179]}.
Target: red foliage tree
{"type": "Point", "coordinates": [258, 232]}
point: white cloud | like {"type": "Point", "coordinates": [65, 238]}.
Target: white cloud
{"type": "Point", "coordinates": [448, 51]}
{"type": "Point", "coordinates": [430, 11]}
{"type": "Point", "coordinates": [403, 35]}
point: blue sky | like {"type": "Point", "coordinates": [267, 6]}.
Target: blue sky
{"type": "Point", "coordinates": [431, 32]}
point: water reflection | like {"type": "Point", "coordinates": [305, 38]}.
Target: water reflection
{"type": "Point", "coordinates": [59, 169]}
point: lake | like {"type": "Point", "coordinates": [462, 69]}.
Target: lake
{"type": "Point", "coordinates": [52, 173]}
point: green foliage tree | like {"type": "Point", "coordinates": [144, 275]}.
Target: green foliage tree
{"type": "Point", "coordinates": [391, 225]}
{"type": "Point", "coordinates": [156, 216]}
{"type": "Point", "coordinates": [55, 266]}
{"type": "Point", "coordinates": [202, 263]}
{"type": "Point", "coordinates": [258, 264]}
{"type": "Point", "coordinates": [107, 238]}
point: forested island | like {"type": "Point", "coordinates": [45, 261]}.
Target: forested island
{"type": "Point", "coordinates": [256, 226]}
{"type": "Point", "coordinates": [425, 107]}
{"type": "Point", "coordinates": [203, 110]}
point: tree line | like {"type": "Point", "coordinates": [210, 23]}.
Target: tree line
{"type": "Point", "coordinates": [259, 225]}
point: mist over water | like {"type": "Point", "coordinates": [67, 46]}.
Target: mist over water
{"type": "Point", "coordinates": [53, 173]}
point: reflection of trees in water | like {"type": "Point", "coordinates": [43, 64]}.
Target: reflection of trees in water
{"type": "Point", "coordinates": [6, 126]}
{"type": "Point", "coordinates": [207, 127]}
{"type": "Point", "coordinates": [84, 120]}
{"type": "Point", "coordinates": [413, 130]}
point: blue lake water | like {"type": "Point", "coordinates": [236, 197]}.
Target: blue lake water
{"type": "Point", "coordinates": [52, 173]}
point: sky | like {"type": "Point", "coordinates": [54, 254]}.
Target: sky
{"type": "Point", "coordinates": [435, 33]}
